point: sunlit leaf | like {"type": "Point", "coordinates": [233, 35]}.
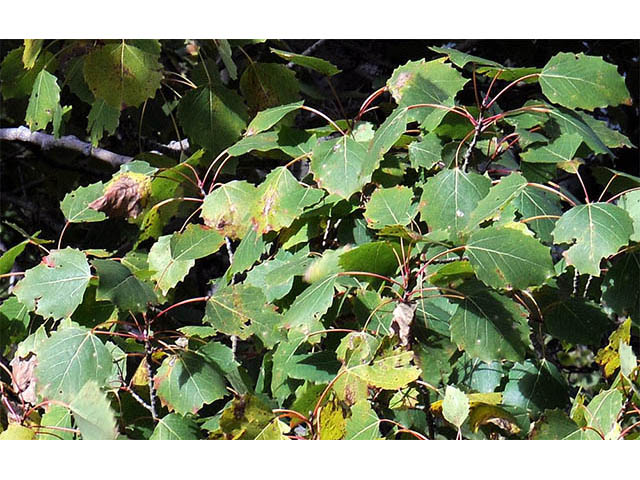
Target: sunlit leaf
{"type": "Point", "coordinates": [583, 81]}
{"type": "Point", "coordinates": [599, 230]}
{"type": "Point", "coordinates": [55, 287]}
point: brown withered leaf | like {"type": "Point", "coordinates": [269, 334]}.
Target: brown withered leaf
{"type": "Point", "coordinates": [124, 197]}
{"type": "Point", "coordinates": [24, 383]}
{"type": "Point", "coordinates": [401, 323]}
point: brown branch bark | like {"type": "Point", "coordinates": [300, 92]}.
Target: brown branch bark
{"type": "Point", "coordinates": [69, 142]}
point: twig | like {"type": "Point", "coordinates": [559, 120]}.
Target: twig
{"type": "Point", "coordinates": [69, 142]}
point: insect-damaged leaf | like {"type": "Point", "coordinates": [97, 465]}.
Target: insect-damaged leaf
{"type": "Point", "coordinates": [342, 165]}
{"type": "Point", "coordinates": [242, 310]}
{"type": "Point", "coordinates": [55, 287]}
{"type": "Point", "coordinates": [280, 199]}
{"type": "Point", "coordinates": [122, 75]}
{"type": "Point", "coordinates": [68, 360]}
{"type": "Point", "coordinates": [44, 101]}
{"type": "Point", "coordinates": [124, 196]}
{"type": "Point", "coordinates": [583, 81]}
{"type": "Point", "coordinates": [228, 208]}
{"type": "Point", "coordinates": [507, 258]}
{"type": "Point", "coordinates": [599, 230]}
{"type": "Point", "coordinates": [75, 205]}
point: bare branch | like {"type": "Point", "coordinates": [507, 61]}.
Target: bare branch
{"type": "Point", "coordinates": [69, 142]}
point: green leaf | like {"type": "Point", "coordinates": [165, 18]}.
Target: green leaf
{"type": "Point", "coordinates": [342, 166]}
{"type": "Point", "coordinates": [56, 416]}
{"type": "Point", "coordinates": [599, 230]}
{"type": "Point", "coordinates": [553, 425]}
{"type": "Point", "coordinates": [499, 196]}
{"type": "Point", "coordinates": [242, 310]}
{"type": "Point", "coordinates": [490, 326]}
{"type": "Point", "coordinates": [32, 49]}
{"type": "Point", "coordinates": [8, 258]}
{"type": "Point", "coordinates": [620, 286]}
{"type": "Point", "coordinates": [389, 132]}
{"type": "Point", "coordinates": [631, 203]}
{"type": "Point", "coordinates": [455, 406]}
{"type": "Point", "coordinates": [309, 307]}
{"type": "Point", "coordinates": [318, 64]}
{"type": "Point", "coordinates": [118, 285]}
{"type": "Point", "coordinates": [375, 257]}
{"type": "Point", "coordinates": [248, 252]}
{"type": "Point", "coordinates": [212, 116]}
{"type": "Point", "coordinates": [188, 380]}
{"type": "Point", "coordinates": [15, 431]}
{"type": "Point", "coordinates": [228, 208]}
{"type": "Point", "coordinates": [628, 360]}
{"type": "Point", "coordinates": [102, 118]}
{"type": "Point", "coordinates": [266, 119]}
{"type": "Point", "coordinates": [433, 82]}
{"type": "Point", "coordinates": [93, 414]}
{"type": "Point", "coordinates": [75, 204]}
{"type": "Point", "coordinates": [570, 122]}
{"type": "Point", "coordinates": [583, 81]}
{"type": "Point", "coordinates": [44, 101]}
{"type": "Point", "coordinates": [601, 415]}
{"type": "Point", "coordinates": [122, 75]}
{"type": "Point", "coordinates": [363, 424]}
{"type": "Point", "coordinates": [562, 149]}
{"type": "Point", "coordinates": [536, 388]}
{"type": "Point", "coordinates": [280, 199]}
{"type": "Point", "coordinates": [533, 202]}
{"type": "Point", "coordinates": [14, 322]}
{"type": "Point", "coordinates": [390, 206]}
{"type": "Point", "coordinates": [610, 137]}
{"type": "Point", "coordinates": [461, 59]}
{"type": "Point", "coordinates": [262, 142]}
{"type": "Point", "coordinates": [196, 241]}
{"type": "Point", "coordinates": [261, 276]}
{"type": "Point", "coordinates": [17, 81]}
{"type": "Point", "coordinates": [175, 427]}
{"type": "Point", "coordinates": [55, 287]}
{"type": "Point", "coordinates": [266, 85]}
{"type": "Point", "coordinates": [507, 258]}
{"type": "Point", "coordinates": [391, 372]}
{"type": "Point", "coordinates": [426, 153]}
{"type": "Point", "coordinates": [576, 321]}
{"type": "Point", "coordinates": [168, 271]}
{"type": "Point", "coordinates": [69, 359]}
{"type": "Point", "coordinates": [449, 197]}
{"type": "Point", "coordinates": [224, 48]}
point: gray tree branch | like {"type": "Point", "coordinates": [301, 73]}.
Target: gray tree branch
{"type": "Point", "coordinates": [69, 142]}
